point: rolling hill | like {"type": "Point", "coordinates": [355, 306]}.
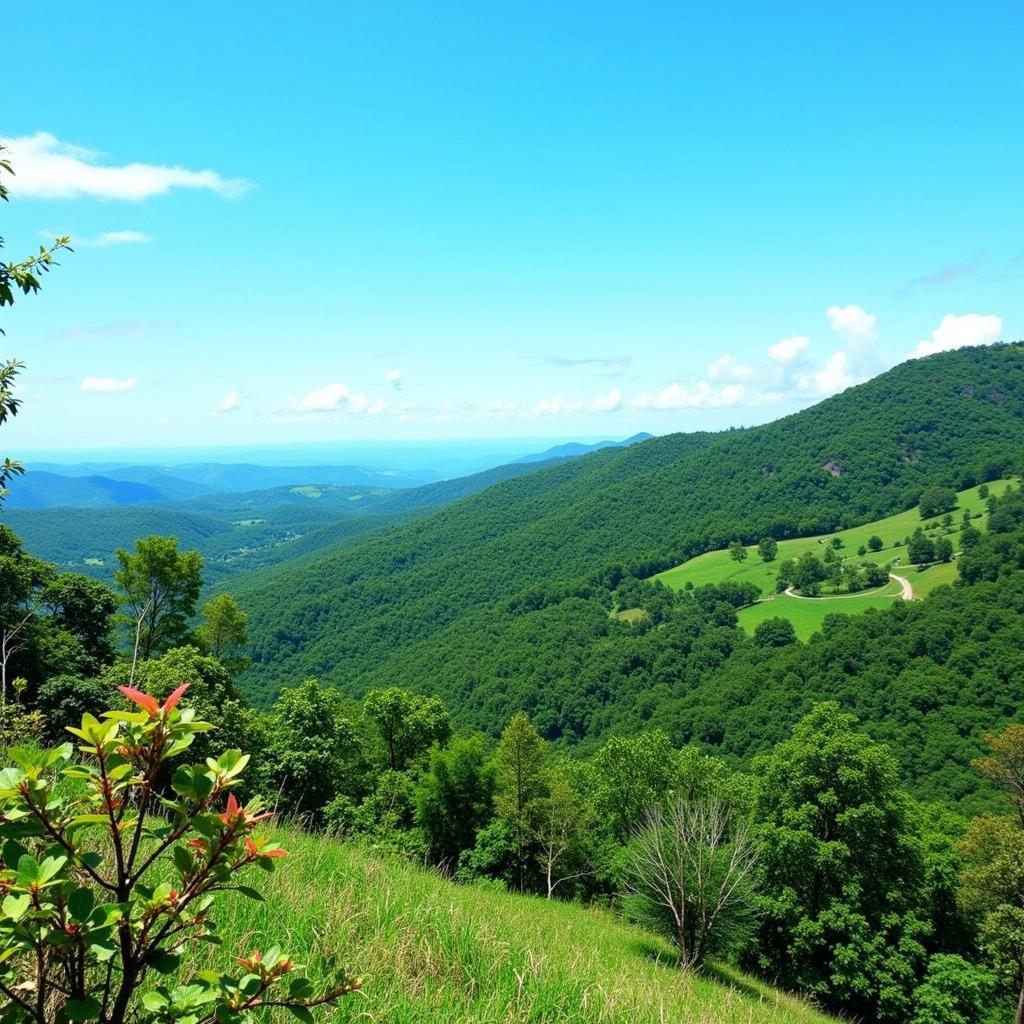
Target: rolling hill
{"type": "Point", "coordinates": [347, 615]}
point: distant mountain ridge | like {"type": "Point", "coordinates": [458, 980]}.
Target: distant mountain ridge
{"type": "Point", "coordinates": [575, 449]}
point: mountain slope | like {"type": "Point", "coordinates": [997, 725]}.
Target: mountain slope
{"type": "Point", "coordinates": [857, 456]}
{"type": "Point", "coordinates": [431, 952]}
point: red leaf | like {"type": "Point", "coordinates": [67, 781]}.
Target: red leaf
{"type": "Point", "coordinates": [144, 700]}
{"type": "Point", "coordinates": [171, 701]}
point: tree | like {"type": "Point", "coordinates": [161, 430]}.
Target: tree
{"type": "Point", "coordinates": [992, 887]}
{"type": "Point", "coordinates": [936, 500]}
{"type": "Point", "coordinates": [84, 607]}
{"type": "Point", "coordinates": [313, 751]}
{"type": "Point", "coordinates": [920, 549]}
{"type": "Point", "coordinates": [808, 572]}
{"type": "Point", "coordinates": [768, 548]}
{"type": "Point", "coordinates": [519, 783]}
{"type": "Point", "coordinates": [1005, 764]}
{"type": "Point", "coordinates": [222, 631]}
{"type": "Point", "coordinates": [562, 826]}
{"type": "Point", "coordinates": [454, 797]}
{"type": "Point", "coordinates": [689, 872]}
{"type": "Point", "coordinates": [105, 895]}
{"type": "Point", "coordinates": [14, 277]}
{"type": "Point", "coordinates": [875, 542]}
{"type": "Point", "coordinates": [408, 723]}
{"type": "Point", "coordinates": [842, 873]}
{"type": "Point", "coordinates": [943, 549]}
{"type": "Point", "coordinates": [23, 580]}
{"type": "Point", "coordinates": [953, 992]}
{"type": "Point", "coordinates": [737, 552]}
{"type": "Point", "coordinates": [775, 632]}
{"type": "Point", "coordinates": [161, 586]}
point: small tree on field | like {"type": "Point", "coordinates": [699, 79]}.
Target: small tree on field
{"type": "Point", "coordinates": [943, 549]}
{"type": "Point", "coordinates": [937, 500]}
{"type": "Point", "coordinates": [875, 543]}
{"type": "Point", "coordinates": [920, 549]}
{"type": "Point", "coordinates": [768, 548]}
{"type": "Point", "coordinates": [689, 874]}
{"type": "Point", "coordinates": [737, 552]}
{"type": "Point", "coordinates": [107, 880]}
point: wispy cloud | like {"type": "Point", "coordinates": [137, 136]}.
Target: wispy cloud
{"type": "Point", "coordinates": [331, 399]}
{"type": "Point", "coordinates": [109, 238]}
{"type": "Point", "coordinates": [393, 378]}
{"type": "Point", "coordinates": [618, 364]}
{"type": "Point", "coordinates": [944, 275]}
{"type": "Point", "coordinates": [108, 384]}
{"type": "Point", "coordinates": [48, 168]}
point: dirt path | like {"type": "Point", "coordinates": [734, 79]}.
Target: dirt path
{"type": "Point", "coordinates": [906, 592]}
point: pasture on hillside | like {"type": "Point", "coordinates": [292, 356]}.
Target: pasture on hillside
{"type": "Point", "coordinates": [808, 614]}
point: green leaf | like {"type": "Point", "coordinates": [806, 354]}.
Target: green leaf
{"type": "Point", "coordinates": [302, 1012]}
{"type": "Point", "coordinates": [80, 904]}
{"type": "Point", "coordinates": [82, 1009]}
{"type": "Point", "coordinates": [15, 907]}
{"type": "Point", "coordinates": [246, 890]}
{"type": "Point", "coordinates": [183, 860]}
{"type": "Point", "coordinates": [154, 1001]}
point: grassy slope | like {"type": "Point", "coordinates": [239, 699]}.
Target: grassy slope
{"type": "Point", "coordinates": [431, 952]}
{"type": "Point", "coordinates": [808, 615]}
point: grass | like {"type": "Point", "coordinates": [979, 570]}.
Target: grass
{"type": "Point", "coordinates": [431, 952]}
{"type": "Point", "coordinates": [807, 616]}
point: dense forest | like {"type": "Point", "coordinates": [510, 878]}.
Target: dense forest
{"type": "Point", "coordinates": [347, 615]}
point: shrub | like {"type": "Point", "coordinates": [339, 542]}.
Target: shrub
{"type": "Point", "coordinates": [107, 879]}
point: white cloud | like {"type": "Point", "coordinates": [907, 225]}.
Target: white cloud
{"type": "Point", "coordinates": [47, 168]}
{"type": "Point", "coordinates": [108, 384]}
{"type": "Point", "coordinates": [852, 323]}
{"type": "Point", "coordinates": [326, 399]}
{"type": "Point", "coordinates": [701, 395]}
{"type": "Point", "coordinates": [109, 238]}
{"type": "Point", "coordinates": [557, 405]}
{"type": "Point", "coordinates": [376, 407]}
{"type": "Point", "coordinates": [394, 378]}
{"type": "Point", "coordinates": [788, 349]}
{"type": "Point", "coordinates": [609, 402]}
{"type": "Point", "coordinates": [230, 402]}
{"type": "Point", "coordinates": [960, 332]}
{"type": "Point", "coordinates": [836, 375]}
{"type": "Point", "coordinates": [726, 368]}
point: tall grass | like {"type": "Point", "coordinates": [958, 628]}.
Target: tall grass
{"type": "Point", "coordinates": [431, 952]}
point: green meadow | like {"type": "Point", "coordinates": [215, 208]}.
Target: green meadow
{"type": "Point", "coordinates": [807, 615]}
{"type": "Point", "coordinates": [431, 952]}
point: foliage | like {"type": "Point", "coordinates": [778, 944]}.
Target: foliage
{"type": "Point", "coordinates": [103, 893]}
{"type": "Point", "coordinates": [161, 587]}
{"type": "Point", "coordinates": [222, 631]}
{"type": "Point", "coordinates": [937, 499]}
{"type": "Point", "coordinates": [767, 548]}
{"type": "Point", "coordinates": [689, 874]}
{"type": "Point", "coordinates": [520, 784]}
{"type": "Point", "coordinates": [841, 869]}
{"type": "Point", "coordinates": [23, 276]}
{"type": "Point", "coordinates": [953, 992]}
{"type": "Point", "coordinates": [407, 723]}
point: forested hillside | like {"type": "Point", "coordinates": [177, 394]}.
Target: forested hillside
{"type": "Point", "coordinates": [346, 616]}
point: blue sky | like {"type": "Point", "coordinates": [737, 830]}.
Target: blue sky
{"type": "Point", "coordinates": [328, 222]}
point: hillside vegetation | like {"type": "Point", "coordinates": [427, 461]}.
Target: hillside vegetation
{"type": "Point", "coordinates": [433, 952]}
{"type": "Point", "coordinates": [808, 614]}
{"type": "Point", "coordinates": [864, 454]}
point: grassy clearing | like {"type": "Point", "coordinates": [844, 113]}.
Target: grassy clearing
{"type": "Point", "coordinates": [431, 952]}
{"type": "Point", "coordinates": [807, 616]}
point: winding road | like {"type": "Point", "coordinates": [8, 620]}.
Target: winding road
{"type": "Point", "coordinates": [906, 592]}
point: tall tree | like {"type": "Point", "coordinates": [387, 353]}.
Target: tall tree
{"type": "Point", "coordinates": [842, 871]}
{"type": "Point", "coordinates": [563, 826]}
{"type": "Point", "coordinates": [519, 783]}
{"type": "Point", "coordinates": [222, 631]}
{"type": "Point", "coordinates": [408, 723]}
{"type": "Point", "coordinates": [161, 586]}
{"type": "Point", "coordinates": [84, 607]}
